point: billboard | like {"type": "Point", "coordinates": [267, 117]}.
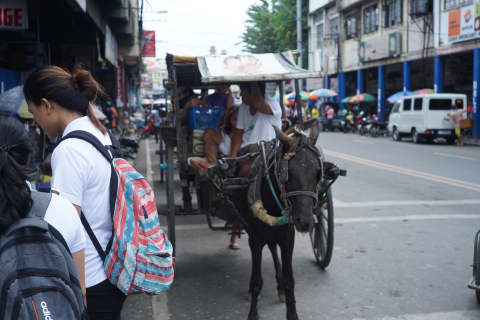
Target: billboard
{"type": "Point", "coordinates": [13, 15]}
{"type": "Point", "coordinates": [464, 23]}
{"type": "Point", "coordinates": [157, 83]}
{"type": "Point", "coordinates": [149, 44]}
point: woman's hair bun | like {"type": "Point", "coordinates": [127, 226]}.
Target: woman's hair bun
{"type": "Point", "coordinates": [86, 84]}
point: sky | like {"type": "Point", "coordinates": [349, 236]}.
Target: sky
{"type": "Point", "coordinates": [190, 27]}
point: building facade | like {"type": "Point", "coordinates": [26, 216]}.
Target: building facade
{"type": "Point", "coordinates": [386, 46]}
{"type": "Point", "coordinates": [101, 36]}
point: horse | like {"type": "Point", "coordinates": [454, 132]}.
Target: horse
{"type": "Point", "coordinates": [302, 172]}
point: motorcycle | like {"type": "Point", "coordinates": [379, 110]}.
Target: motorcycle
{"type": "Point", "coordinates": [348, 123]}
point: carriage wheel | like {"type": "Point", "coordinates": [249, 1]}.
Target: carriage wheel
{"type": "Point", "coordinates": [321, 235]}
{"type": "Point", "coordinates": [476, 265]}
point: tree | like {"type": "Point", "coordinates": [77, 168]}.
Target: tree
{"type": "Point", "coordinates": [274, 29]}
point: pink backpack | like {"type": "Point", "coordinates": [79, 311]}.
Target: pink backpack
{"type": "Point", "coordinates": [138, 257]}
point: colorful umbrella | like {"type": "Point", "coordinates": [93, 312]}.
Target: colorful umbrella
{"type": "Point", "coordinates": [362, 97]}
{"type": "Point", "coordinates": [422, 91]}
{"type": "Point", "coordinates": [323, 93]}
{"type": "Point", "coordinates": [303, 95]}
{"type": "Point", "coordinates": [394, 98]}
{"type": "Point", "coordinates": [313, 98]}
{"type": "Point", "coordinates": [347, 99]}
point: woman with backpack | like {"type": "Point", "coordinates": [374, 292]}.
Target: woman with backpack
{"type": "Point", "coordinates": [60, 103]}
{"type": "Point", "coordinates": [19, 240]}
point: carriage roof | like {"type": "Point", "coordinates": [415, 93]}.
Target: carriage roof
{"type": "Point", "coordinates": [211, 70]}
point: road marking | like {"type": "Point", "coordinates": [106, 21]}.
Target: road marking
{"type": "Point", "coordinates": [148, 160]}
{"type": "Point", "coordinates": [160, 307]}
{"type": "Point", "coordinates": [413, 217]}
{"type": "Point", "coordinates": [454, 156]}
{"type": "Point", "coordinates": [449, 315]}
{"type": "Point", "coordinates": [366, 204]}
{"type": "Point", "coordinates": [362, 141]}
{"type": "Point", "coordinates": [405, 171]}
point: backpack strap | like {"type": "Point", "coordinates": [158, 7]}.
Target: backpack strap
{"type": "Point", "coordinates": [90, 138]}
{"type": "Point", "coordinates": [35, 217]}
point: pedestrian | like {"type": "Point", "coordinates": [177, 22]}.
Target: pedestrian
{"type": "Point", "coordinates": [457, 115]}
{"type": "Point", "coordinates": [330, 115]}
{"type": "Point", "coordinates": [16, 197]}
{"type": "Point", "coordinates": [157, 122]}
{"type": "Point", "coordinates": [60, 103]}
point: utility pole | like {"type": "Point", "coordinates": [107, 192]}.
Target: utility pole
{"type": "Point", "coordinates": [299, 33]}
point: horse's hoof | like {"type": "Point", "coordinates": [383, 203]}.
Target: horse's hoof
{"type": "Point", "coordinates": [281, 296]}
{"type": "Point", "coordinates": [252, 316]}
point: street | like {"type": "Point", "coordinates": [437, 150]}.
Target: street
{"type": "Point", "coordinates": [405, 220]}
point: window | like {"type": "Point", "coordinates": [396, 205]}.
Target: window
{"type": "Point", "coordinates": [392, 13]}
{"type": "Point", "coordinates": [449, 4]}
{"type": "Point", "coordinates": [407, 105]}
{"type": "Point", "coordinates": [395, 108]}
{"type": "Point", "coordinates": [370, 19]}
{"type": "Point", "coordinates": [319, 36]}
{"type": "Point", "coordinates": [440, 104]}
{"type": "Point", "coordinates": [334, 26]}
{"type": "Point", "coordinates": [417, 105]}
{"type": "Point", "coordinates": [351, 27]}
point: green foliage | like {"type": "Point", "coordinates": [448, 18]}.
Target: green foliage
{"type": "Point", "coordinates": [273, 28]}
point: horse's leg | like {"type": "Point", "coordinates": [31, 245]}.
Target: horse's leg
{"type": "Point", "coordinates": [286, 247]}
{"type": "Point", "coordinates": [256, 282]}
{"type": "Point", "coordinates": [278, 272]}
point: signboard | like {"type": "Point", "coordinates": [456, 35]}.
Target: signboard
{"type": "Point", "coordinates": [149, 45]}
{"type": "Point", "coordinates": [111, 47]}
{"type": "Point", "coordinates": [464, 23]}
{"type": "Point", "coordinates": [13, 15]}
{"type": "Point", "coordinates": [157, 81]}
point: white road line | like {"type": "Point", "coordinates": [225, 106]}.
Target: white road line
{"type": "Point", "coordinates": [413, 217]}
{"type": "Point", "coordinates": [454, 156]}
{"type": "Point", "coordinates": [160, 307]}
{"type": "Point", "coordinates": [367, 204]}
{"type": "Point", "coordinates": [362, 141]}
{"type": "Point", "coordinates": [449, 315]}
{"type": "Point", "coordinates": [148, 160]}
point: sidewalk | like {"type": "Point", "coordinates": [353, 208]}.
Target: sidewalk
{"type": "Point", "coordinates": [471, 141]}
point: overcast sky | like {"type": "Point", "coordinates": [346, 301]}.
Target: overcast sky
{"type": "Point", "coordinates": [190, 27]}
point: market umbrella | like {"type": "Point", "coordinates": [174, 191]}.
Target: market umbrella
{"type": "Point", "coordinates": [397, 96]}
{"type": "Point", "coordinates": [303, 95]}
{"type": "Point", "coordinates": [313, 98]}
{"type": "Point", "coordinates": [323, 93]}
{"type": "Point", "coordinates": [423, 91]}
{"type": "Point", "coordinates": [13, 102]}
{"type": "Point", "coordinates": [347, 99]}
{"type": "Point", "coordinates": [362, 97]}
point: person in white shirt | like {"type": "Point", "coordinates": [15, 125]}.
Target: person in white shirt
{"type": "Point", "coordinates": [15, 195]}
{"type": "Point", "coordinates": [60, 103]}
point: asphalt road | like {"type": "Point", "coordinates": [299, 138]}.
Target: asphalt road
{"type": "Point", "coordinates": [406, 216]}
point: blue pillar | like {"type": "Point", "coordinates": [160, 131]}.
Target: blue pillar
{"type": "Point", "coordinates": [438, 72]}
{"type": "Point", "coordinates": [329, 82]}
{"type": "Point", "coordinates": [324, 83]}
{"type": "Point", "coordinates": [406, 76]}
{"type": "Point", "coordinates": [476, 93]}
{"type": "Point", "coordinates": [381, 93]}
{"type": "Point", "coordinates": [360, 88]}
{"type": "Point", "coordinates": [341, 89]}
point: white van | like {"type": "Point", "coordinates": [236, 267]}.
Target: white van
{"type": "Point", "coordinates": [423, 117]}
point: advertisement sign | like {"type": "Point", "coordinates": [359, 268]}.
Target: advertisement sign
{"type": "Point", "coordinates": [157, 81]}
{"type": "Point", "coordinates": [111, 47]}
{"type": "Point", "coordinates": [149, 45]}
{"type": "Point", "coordinates": [13, 15]}
{"type": "Point", "coordinates": [464, 23]}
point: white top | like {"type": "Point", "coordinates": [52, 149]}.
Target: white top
{"type": "Point", "coordinates": [259, 127]}
{"type": "Point", "coordinates": [63, 216]}
{"type": "Point", "coordinates": [82, 175]}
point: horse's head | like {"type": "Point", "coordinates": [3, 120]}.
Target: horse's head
{"type": "Point", "coordinates": [304, 172]}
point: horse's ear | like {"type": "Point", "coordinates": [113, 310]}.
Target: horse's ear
{"type": "Point", "coordinates": [314, 127]}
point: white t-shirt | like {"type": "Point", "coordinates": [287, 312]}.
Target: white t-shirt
{"type": "Point", "coordinates": [63, 216]}
{"type": "Point", "coordinates": [82, 175]}
{"type": "Point", "coordinates": [259, 127]}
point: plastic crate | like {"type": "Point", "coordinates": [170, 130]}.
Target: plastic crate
{"type": "Point", "coordinates": [202, 118]}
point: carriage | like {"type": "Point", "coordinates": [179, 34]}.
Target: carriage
{"type": "Point", "coordinates": [209, 72]}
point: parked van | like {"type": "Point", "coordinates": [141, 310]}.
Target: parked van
{"type": "Point", "coordinates": [423, 117]}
